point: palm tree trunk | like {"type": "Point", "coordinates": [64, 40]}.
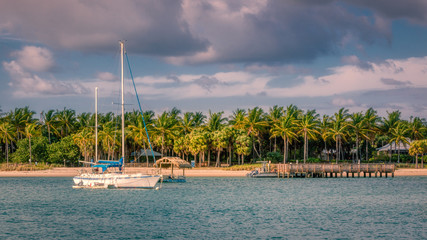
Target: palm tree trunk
{"type": "Point", "coordinates": [275, 144]}
{"type": "Point", "coordinates": [29, 142]}
{"type": "Point", "coordinates": [416, 160]}
{"type": "Point", "coordinates": [305, 146]}
{"type": "Point", "coordinates": [337, 156]}
{"type": "Point", "coordinates": [209, 158]}
{"type": "Point", "coordinates": [284, 149]}
{"type": "Point", "coordinates": [48, 133]}
{"type": "Point", "coordinates": [229, 155]}
{"type": "Point", "coordinates": [217, 158]}
{"type": "Point", "coordinates": [357, 147]}
{"type": "Point", "coordinates": [367, 150]}
{"type": "Point", "coordinates": [7, 153]}
{"type": "Point", "coordinates": [398, 154]}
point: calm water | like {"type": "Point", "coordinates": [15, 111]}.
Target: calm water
{"type": "Point", "coordinates": [217, 208]}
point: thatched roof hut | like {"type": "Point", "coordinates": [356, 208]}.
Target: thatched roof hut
{"type": "Point", "coordinates": [167, 162]}
{"type": "Point", "coordinates": [173, 162]}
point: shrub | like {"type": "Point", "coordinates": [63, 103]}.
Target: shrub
{"type": "Point", "coordinates": [274, 157]}
{"type": "Point", "coordinates": [38, 150]}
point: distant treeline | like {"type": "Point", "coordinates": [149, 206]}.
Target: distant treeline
{"type": "Point", "coordinates": [282, 134]}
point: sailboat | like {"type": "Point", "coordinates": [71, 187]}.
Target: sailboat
{"type": "Point", "coordinates": [110, 174]}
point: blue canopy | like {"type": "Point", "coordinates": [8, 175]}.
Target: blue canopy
{"type": "Point", "coordinates": [105, 164]}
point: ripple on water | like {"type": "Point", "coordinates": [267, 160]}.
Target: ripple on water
{"type": "Point", "coordinates": [217, 208]}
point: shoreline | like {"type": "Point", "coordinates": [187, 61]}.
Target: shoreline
{"type": "Point", "coordinates": [196, 172]}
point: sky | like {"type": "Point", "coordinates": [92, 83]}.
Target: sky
{"type": "Point", "coordinates": [216, 55]}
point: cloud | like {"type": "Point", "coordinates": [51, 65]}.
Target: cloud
{"type": "Point", "coordinates": [390, 81]}
{"type": "Point", "coordinates": [34, 58]}
{"type": "Point", "coordinates": [414, 10]}
{"type": "Point", "coordinates": [151, 27]}
{"type": "Point", "coordinates": [342, 85]}
{"type": "Point", "coordinates": [274, 31]}
{"type": "Point", "coordinates": [198, 31]}
{"type": "Point", "coordinates": [26, 71]}
{"type": "Point", "coordinates": [354, 60]}
{"type": "Point", "coordinates": [207, 82]}
{"type": "Point", "coordinates": [106, 76]}
{"type": "Point", "coordinates": [342, 102]}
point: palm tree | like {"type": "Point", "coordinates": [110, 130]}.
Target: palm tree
{"type": "Point", "coordinates": [197, 142]}
{"type": "Point", "coordinates": [31, 130]}
{"type": "Point", "coordinates": [242, 145]}
{"type": "Point", "coordinates": [325, 125]}
{"type": "Point", "coordinates": [219, 141]}
{"type": "Point", "coordinates": [85, 140]}
{"type": "Point", "coordinates": [286, 128]}
{"type": "Point", "coordinates": [237, 119]}
{"type": "Point", "coordinates": [275, 113]}
{"type": "Point", "coordinates": [187, 123]}
{"type": "Point", "coordinates": [254, 123]}
{"type": "Point", "coordinates": [358, 128]}
{"type": "Point", "coordinates": [19, 118]}
{"type": "Point", "coordinates": [215, 123]}
{"type": "Point", "coordinates": [164, 127]}
{"type": "Point", "coordinates": [49, 121]}
{"type": "Point", "coordinates": [389, 123]}
{"type": "Point", "coordinates": [7, 135]}
{"type": "Point", "coordinates": [66, 121]}
{"type": "Point", "coordinates": [84, 120]}
{"type": "Point", "coordinates": [139, 135]}
{"type": "Point", "coordinates": [417, 128]}
{"type": "Point", "coordinates": [198, 119]}
{"type": "Point", "coordinates": [371, 120]}
{"type": "Point", "coordinates": [398, 135]}
{"type": "Point", "coordinates": [109, 138]}
{"type": "Point", "coordinates": [418, 147]}
{"type": "Point", "coordinates": [309, 125]}
{"type": "Point", "coordinates": [338, 130]}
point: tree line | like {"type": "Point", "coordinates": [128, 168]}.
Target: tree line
{"type": "Point", "coordinates": [281, 134]}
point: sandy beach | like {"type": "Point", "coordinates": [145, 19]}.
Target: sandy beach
{"type": "Point", "coordinates": [196, 172]}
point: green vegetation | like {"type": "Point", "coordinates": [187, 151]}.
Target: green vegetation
{"type": "Point", "coordinates": [283, 134]}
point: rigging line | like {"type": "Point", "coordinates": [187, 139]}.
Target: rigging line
{"type": "Point", "coordinates": [140, 108]}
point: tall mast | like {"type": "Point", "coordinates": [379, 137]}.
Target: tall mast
{"type": "Point", "coordinates": [96, 124]}
{"type": "Point", "coordinates": [123, 101]}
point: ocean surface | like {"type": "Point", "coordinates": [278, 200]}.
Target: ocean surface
{"type": "Point", "coordinates": [217, 208]}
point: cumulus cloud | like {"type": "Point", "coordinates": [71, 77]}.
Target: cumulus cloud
{"type": "Point", "coordinates": [34, 58]}
{"type": "Point", "coordinates": [25, 73]}
{"type": "Point", "coordinates": [342, 102]}
{"type": "Point", "coordinates": [341, 80]}
{"type": "Point", "coordinates": [106, 76]}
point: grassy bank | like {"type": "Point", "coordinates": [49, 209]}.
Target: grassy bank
{"type": "Point", "coordinates": [25, 167]}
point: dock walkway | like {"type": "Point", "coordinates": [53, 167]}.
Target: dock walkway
{"type": "Point", "coordinates": [334, 170]}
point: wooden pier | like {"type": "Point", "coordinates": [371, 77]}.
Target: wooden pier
{"type": "Point", "coordinates": [334, 170]}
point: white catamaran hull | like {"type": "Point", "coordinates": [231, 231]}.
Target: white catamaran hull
{"type": "Point", "coordinates": [111, 180]}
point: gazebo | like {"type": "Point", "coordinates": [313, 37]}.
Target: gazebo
{"type": "Point", "coordinates": [173, 162]}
